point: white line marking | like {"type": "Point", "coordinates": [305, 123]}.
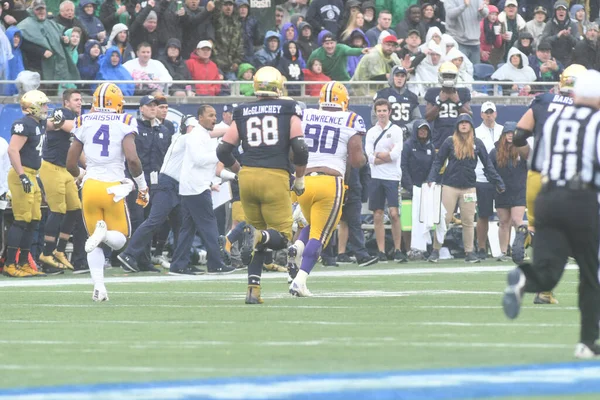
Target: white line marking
{"type": "Point", "coordinates": [490, 324]}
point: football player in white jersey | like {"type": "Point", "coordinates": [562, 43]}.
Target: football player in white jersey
{"type": "Point", "coordinates": [107, 137]}
{"type": "Point", "coordinates": [333, 136]}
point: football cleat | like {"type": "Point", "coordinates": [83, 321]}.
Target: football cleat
{"type": "Point", "coordinates": [31, 270]}
{"type": "Point", "coordinates": [100, 294]}
{"type": "Point", "coordinates": [97, 237]}
{"type": "Point", "coordinates": [513, 294]}
{"type": "Point", "coordinates": [161, 261]}
{"type": "Point", "coordinates": [586, 352]}
{"type": "Point", "coordinates": [225, 256]}
{"type": "Point", "coordinates": [51, 262]}
{"type": "Point", "coordinates": [15, 271]}
{"type": "Point", "coordinates": [299, 290]}
{"type": "Point", "coordinates": [250, 239]}
{"type": "Point", "coordinates": [520, 244]}
{"type": "Point", "coordinates": [62, 258]}
{"type": "Point", "coordinates": [294, 259]}
{"type": "Point", "coordinates": [545, 298]}
{"type": "Point", "coordinates": [253, 295]}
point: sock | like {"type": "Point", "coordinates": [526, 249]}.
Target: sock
{"type": "Point", "coordinates": [115, 239]}
{"type": "Point", "coordinates": [301, 277]}
{"type": "Point", "coordinates": [51, 229]}
{"type": "Point", "coordinates": [236, 233]}
{"type": "Point", "coordinates": [24, 256]}
{"type": "Point", "coordinates": [273, 239]}
{"type": "Point", "coordinates": [66, 227]}
{"type": "Point", "coordinates": [49, 246]}
{"type": "Point", "coordinates": [96, 263]}
{"type": "Point", "coordinates": [26, 240]}
{"type": "Point", "coordinates": [255, 267]}
{"type": "Point", "coordinates": [61, 246]}
{"type": "Point", "coordinates": [310, 255]}
{"type": "Point", "coordinates": [269, 257]}
{"type": "Point", "coordinates": [304, 234]}
{"type": "Point", "coordinates": [13, 240]}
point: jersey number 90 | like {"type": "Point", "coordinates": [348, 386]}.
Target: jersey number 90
{"type": "Point", "coordinates": [263, 130]}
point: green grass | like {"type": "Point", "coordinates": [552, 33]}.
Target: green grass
{"type": "Point", "coordinates": [197, 329]}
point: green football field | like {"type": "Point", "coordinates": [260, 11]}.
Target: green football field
{"type": "Point", "coordinates": [388, 317]}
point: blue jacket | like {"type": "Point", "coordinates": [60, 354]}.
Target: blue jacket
{"type": "Point", "coordinates": [265, 57]}
{"type": "Point", "coordinates": [417, 158]}
{"type": "Point", "coordinates": [251, 33]}
{"type": "Point", "coordinates": [151, 144]}
{"type": "Point", "coordinates": [110, 73]}
{"type": "Point", "coordinates": [92, 24]}
{"type": "Point", "coordinates": [15, 64]}
{"type": "Point", "coordinates": [354, 60]}
{"type": "Point", "coordinates": [88, 66]}
{"type": "Point", "coordinates": [461, 173]}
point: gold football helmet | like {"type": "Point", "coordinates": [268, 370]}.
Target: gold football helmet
{"type": "Point", "coordinates": [334, 95]}
{"type": "Point", "coordinates": [569, 76]}
{"type": "Point", "coordinates": [448, 74]}
{"type": "Point", "coordinates": [108, 98]}
{"type": "Point", "coordinates": [35, 103]}
{"type": "Point", "coordinates": [268, 82]}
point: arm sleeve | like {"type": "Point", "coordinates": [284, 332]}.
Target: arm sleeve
{"type": "Point", "coordinates": [398, 146]}
{"type": "Point", "coordinates": [369, 148]}
{"type": "Point", "coordinates": [453, 10]}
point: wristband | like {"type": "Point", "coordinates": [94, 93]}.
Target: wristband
{"type": "Point", "coordinates": [227, 175]}
{"type": "Point", "coordinates": [459, 105]}
{"type": "Point", "coordinates": [438, 102]}
{"type": "Point", "coordinates": [140, 181]}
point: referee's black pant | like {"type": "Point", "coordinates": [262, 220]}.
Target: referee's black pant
{"type": "Point", "coordinates": [567, 224]}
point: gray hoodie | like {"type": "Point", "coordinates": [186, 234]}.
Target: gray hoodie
{"type": "Point", "coordinates": [462, 21]}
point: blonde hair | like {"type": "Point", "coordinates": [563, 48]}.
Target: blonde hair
{"type": "Point", "coordinates": [351, 26]}
{"type": "Point", "coordinates": [464, 144]}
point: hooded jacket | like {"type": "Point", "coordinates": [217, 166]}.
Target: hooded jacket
{"type": "Point", "coordinates": [177, 69]}
{"type": "Point", "coordinates": [508, 72]}
{"type": "Point", "coordinates": [88, 66]}
{"type": "Point", "coordinates": [354, 60]}
{"type": "Point", "coordinates": [306, 45]}
{"type": "Point", "coordinates": [246, 89]}
{"type": "Point", "coordinates": [108, 72]}
{"type": "Point", "coordinates": [486, 26]}
{"type": "Point", "coordinates": [291, 68]}
{"type": "Point", "coordinates": [228, 46]}
{"type": "Point", "coordinates": [92, 24]}
{"type": "Point", "coordinates": [139, 34]}
{"type": "Point", "coordinates": [426, 71]}
{"type": "Point", "coordinates": [15, 64]}
{"type": "Point", "coordinates": [264, 56]}
{"type": "Point", "coordinates": [461, 173]}
{"type": "Point", "coordinates": [465, 74]}
{"type": "Point", "coordinates": [525, 50]}
{"type": "Point", "coordinates": [405, 104]}
{"type": "Point", "coordinates": [374, 66]}
{"type": "Point", "coordinates": [196, 25]}
{"type": "Point", "coordinates": [284, 29]}
{"type": "Point", "coordinates": [462, 21]}
{"type": "Point", "coordinates": [562, 47]}
{"type": "Point", "coordinates": [126, 50]}
{"type": "Point", "coordinates": [251, 34]}
{"type": "Point", "coordinates": [581, 25]}
{"type": "Point", "coordinates": [204, 71]}
{"type": "Point", "coordinates": [417, 157]}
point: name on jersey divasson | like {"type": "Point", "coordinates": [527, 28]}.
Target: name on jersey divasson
{"type": "Point", "coordinates": [267, 109]}
{"type": "Point", "coordinates": [102, 117]}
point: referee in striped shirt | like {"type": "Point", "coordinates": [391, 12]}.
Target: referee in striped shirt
{"type": "Point", "coordinates": [567, 212]}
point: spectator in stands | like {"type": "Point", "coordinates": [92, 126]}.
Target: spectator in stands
{"type": "Point", "coordinates": [525, 43]}
{"type": "Point", "coordinates": [351, 8]}
{"type": "Point", "coordinates": [306, 42]}
{"type": "Point", "coordinates": [111, 69]}
{"type": "Point", "coordinates": [429, 19]}
{"type": "Point", "coordinates": [89, 63]}
{"type": "Point", "coordinates": [410, 49]}
{"type": "Point", "coordinates": [296, 19]}
{"type": "Point", "coordinates": [334, 56]}
{"type": "Point", "coordinates": [170, 22]}
{"type": "Point", "coordinates": [144, 30]}
{"type": "Point", "coordinates": [250, 30]}
{"type": "Point", "coordinates": [290, 67]}
{"type": "Point", "coordinates": [417, 157]}
{"type": "Point", "coordinates": [368, 12]}
{"type": "Point", "coordinates": [42, 47]}
{"type": "Point", "coordinates": [280, 14]}
{"type": "Point", "coordinates": [462, 23]}
{"type": "Point", "coordinates": [411, 21]}
{"type": "Point", "coordinates": [67, 19]}
{"type": "Point", "coordinates": [314, 72]}
{"type": "Point", "coordinates": [175, 64]}
{"type": "Point", "coordinates": [228, 46]}
{"type": "Point", "coordinates": [377, 65]}
{"type": "Point", "coordinates": [325, 15]}
{"type": "Point", "coordinates": [427, 70]}
{"type": "Point", "coordinates": [114, 12]}
{"type": "Point", "coordinates": [489, 37]}
{"type": "Point", "coordinates": [15, 64]}
{"type": "Point", "coordinates": [581, 21]}
{"type": "Point", "coordinates": [384, 22]}
{"type": "Point", "coordinates": [267, 56]}
{"type": "Point", "coordinates": [537, 24]}
{"type": "Point", "coordinates": [561, 32]}
{"type": "Point", "coordinates": [119, 37]}
{"type": "Point", "coordinates": [246, 73]}
{"type": "Point", "coordinates": [74, 37]}
{"type": "Point", "coordinates": [13, 13]}
{"type": "Point", "coordinates": [92, 24]}
{"type": "Point", "coordinates": [144, 68]}
{"type": "Point", "coordinates": [512, 25]}
{"type": "Point", "coordinates": [516, 69]}
{"type": "Point", "coordinates": [356, 21]}
{"type": "Point", "coordinates": [449, 43]}
{"type": "Point", "coordinates": [398, 8]}
{"type": "Point", "coordinates": [465, 74]}
{"type": "Point", "coordinates": [203, 69]}
{"type": "Point", "coordinates": [489, 133]}
{"type": "Point", "coordinates": [289, 31]}
{"type": "Point", "coordinates": [357, 39]}
{"type": "Point", "coordinates": [545, 67]}
{"type": "Point", "coordinates": [434, 34]}
{"type": "Point", "coordinates": [586, 50]}
{"type": "Point", "coordinates": [512, 168]}
{"type": "Point", "coordinates": [461, 151]}
{"type": "Point", "coordinates": [196, 25]}
{"type": "Point", "coordinates": [296, 7]}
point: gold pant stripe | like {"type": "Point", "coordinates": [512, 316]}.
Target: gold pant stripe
{"type": "Point", "coordinates": [336, 211]}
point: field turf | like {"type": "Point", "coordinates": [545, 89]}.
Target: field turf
{"type": "Point", "coordinates": [388, 318]}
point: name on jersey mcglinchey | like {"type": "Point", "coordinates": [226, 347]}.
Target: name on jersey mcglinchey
{"type": "Point", "coordinates": [268, 109]}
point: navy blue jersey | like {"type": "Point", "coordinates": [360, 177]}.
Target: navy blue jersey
{"type": "Point", "coordinates": [31, 152]}
{"type": "Point", "coordinates": [402, 105]}
{"type": "Point", "coordinates": [57, 143]}
{"type": "Point", "coordinates": [445, 123]}
{"type": "Point", "coordinates": [264, 131]}
{"type": "Point", "coordinates": [542, 107]}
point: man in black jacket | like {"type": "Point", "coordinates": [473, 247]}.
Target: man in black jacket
{"type": "Point", "coordinates": [561, 32]}
{"type": "Point", "coordinates": [586, 50]}
{"type": "Point", "coordinates": [325, 15]}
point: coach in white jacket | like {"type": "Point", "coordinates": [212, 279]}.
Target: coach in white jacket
{"type": "Point", "coordinates": [383, 146]}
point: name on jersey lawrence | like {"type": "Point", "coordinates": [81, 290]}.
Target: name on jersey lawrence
{"type": "Point", "coordinates": [327, 119]}
{"type": "Point", "coordinates": [267, 109]}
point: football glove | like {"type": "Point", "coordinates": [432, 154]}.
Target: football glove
{"type": "Point", "coordinates": [143, 198]}
{"type": "Point", "coordinates": [58, 118]}
{"type": "Point", "coordinates": [26, 183]}
{"type": "Point", "coordinates": [298, 187]}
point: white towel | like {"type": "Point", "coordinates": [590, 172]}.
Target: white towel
{"type": "Point", "coordinates": [420, 236]}
{"type": "Point", "coordinates": [121, 191]}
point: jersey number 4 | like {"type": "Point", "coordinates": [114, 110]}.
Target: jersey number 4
{"type": "Point", "coordinates": [102, 137]}
{"type": "Point", "coordinates": [263, 130]}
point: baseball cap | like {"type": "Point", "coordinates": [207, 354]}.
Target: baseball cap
{"type": "Point", "coordinates": [203, 44]}
{"type": "Point", "coordinates": [228, 107]}
{"type": "Point", "coordinates": [559, 4]}
{"type": "Point", "coordinates": [399, 69]}
{"type": "Point", "coordinates": [544, 45]}
{"type": "Point", "coordinates": [38, 4]}
{"type": "Point", "coordinates": [488, 105]}
{"type": "Point", "coordinates": [144, 101]}
{"type": "Point", "coordinates": [511, 3]}
{"type": "Point", "coordinates": [228, 1]}
{"type": "Point", "coordinates": [540, 9]}
{"type": "Point", "coordinates": [415, 31]}
{"type": "Point", "coordinates": [327, 37]}
{"type": "Point", "coordinates": [390, 39]}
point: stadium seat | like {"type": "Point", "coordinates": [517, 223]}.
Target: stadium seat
{"type": "Point", "coordinates": [483, 72]}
